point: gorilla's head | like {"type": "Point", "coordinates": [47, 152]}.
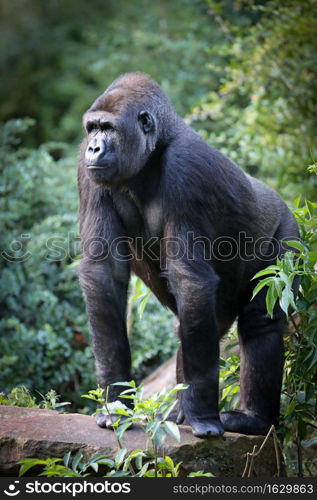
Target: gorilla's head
{"type": "Point", "coordinates": [124, 126]}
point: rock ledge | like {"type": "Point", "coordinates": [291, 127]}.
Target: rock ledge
{"type": "Point", "coordinates": [28, 432]}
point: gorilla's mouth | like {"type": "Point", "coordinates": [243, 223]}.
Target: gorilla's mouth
{"type": "Point", "coordinates": [102, 172]}
{"type": "Point", "coordinates": [98, 167]}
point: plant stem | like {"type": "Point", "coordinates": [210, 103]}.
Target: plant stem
{"type": "Point", "coordinates": [299, 456]}
{"type": "Point", "coordinates": [155, 458]}
{"type": "Point", "coordinates": [114, 428]}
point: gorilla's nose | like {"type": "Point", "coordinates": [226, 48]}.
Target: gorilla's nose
{"type": "Point", "coordinates": [95, 151]}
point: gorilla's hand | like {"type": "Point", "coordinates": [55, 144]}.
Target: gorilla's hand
{"type": "Point", "coordinates": [196, 414]}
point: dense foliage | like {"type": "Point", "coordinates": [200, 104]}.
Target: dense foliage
{"type": "Point", "coordinates": [262, 113]}
{"type": "Point", "coordinates": [58, 56]}
{"type": "Point", "coordinates": [43, 325]}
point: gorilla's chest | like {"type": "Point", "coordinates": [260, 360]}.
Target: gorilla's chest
{"type": "Point", "coordinates": [141, 222]}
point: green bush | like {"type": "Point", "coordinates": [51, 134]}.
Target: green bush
{"type": "Point", "coordinates": [262, 113]}
{"type": "Point", "coordinates": [57, 57]}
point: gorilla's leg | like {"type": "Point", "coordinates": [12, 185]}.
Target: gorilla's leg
{"type": "Point", "coordinates": [261, 369]}
{"type": "Point", "coordinates": [261, 350]}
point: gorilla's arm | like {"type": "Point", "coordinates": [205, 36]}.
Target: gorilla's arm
{"type": "Point", "coordinates": [104, 276]}
{"type": "Point", "coordinates": [193, 283]}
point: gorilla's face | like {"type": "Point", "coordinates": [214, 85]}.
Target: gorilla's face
{"type": "Point", "coordinates": [120, 137]}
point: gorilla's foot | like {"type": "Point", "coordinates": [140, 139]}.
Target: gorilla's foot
{"type": "Point", "coordinates": [242, 423]}
{"type": "Point", "coordinates": [206, 428]}
{"type": "Point", "coordinates": [107, 421]}
{"type": "Point", "coordinates": [201, 427]}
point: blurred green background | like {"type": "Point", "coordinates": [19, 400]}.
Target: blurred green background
{"type": "Point", "coordinates": [242, 73]}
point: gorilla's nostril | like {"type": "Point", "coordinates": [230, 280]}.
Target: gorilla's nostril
{"type": "Point", "coordinates": [93, 150]}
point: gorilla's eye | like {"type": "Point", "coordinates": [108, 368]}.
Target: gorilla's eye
{"type": "Point", "coordinates": [147, 121]}
{"type": "Point", "coordinates": [91, 126]}
{"type": "Point", "coordinates": [94, 126]}
{"type": "Point", "coordinates": [106, 125]}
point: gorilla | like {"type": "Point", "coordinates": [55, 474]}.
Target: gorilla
{"type": "Point", "coordinates": [157, 200]}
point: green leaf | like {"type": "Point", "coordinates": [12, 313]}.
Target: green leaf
{"type": "Point", "coordinates": [200, 473]}
{"type": "Point", "coordinates": [297, 201]}
{"type": "Point", "coordinates": [285, 300]}
{"type": "Point", "coordinates": [149, 426]}
{"type": "Point", "coordinates": [155, 428]}
{"type": "Point", "coordinates": [136, 455]}
{"type": "Point", "coordinates": [120, 456]}
{"type": "Point", "coordinates": [278, 286]}
{"type": "Point", "coordinates": [270, 299]}
{"type": "Point", "coordinates": [126, 384]}
{"type": "Point", "coordinates": [168, 410]}
{"type": "Point", "coordinates": [143, 470]}
{"type": "Point", "coordinates": [267, 270]}
{"type": "Point", "coordinates": [295, 244]}
{"type": "Point", "coordinates": [77, 458]}
{"type": "Point", "coordinates": [159, 437]}
{"type": "Point", "coordinates": [66, 458]}
{"type": "Point", "coordinates": [94, 466]}
{"type": "Point", "coordinates": [118, 473]}
{"type": "Point", "coordinates": [177, 388]}
{"type": "Point", "coordinates": [122, 428]}
{"type": "Point", "coordinates": [143, 304]}
{"type": "Point", "coordinates": [107, 461]}
{"type": "Point", "coordinates": [169, 462]}
{"type": "Point", "coordinates": [139, 461]}
{"type": "Point", "coordinates": [172, 429]}
{"type": "Point", "coordinates": [260, 285]}
{"type": "Point", "coordinates": [310, 207]}
{"type": "Point", "coordinates": [28, 463]}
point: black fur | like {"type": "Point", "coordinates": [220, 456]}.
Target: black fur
{"type": "Point", "coordinates": [148, 178]}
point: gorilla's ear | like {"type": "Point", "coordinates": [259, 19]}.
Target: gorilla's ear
{"type": "Point", "coordinates": [147, 121]}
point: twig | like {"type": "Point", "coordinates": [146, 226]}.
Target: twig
{"type": "Point", "coordinates": [246, 468]}
{"type": "Point", "coordinates": [252, 455]}
{"type": "Point", "coordinates": [277, 454]}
